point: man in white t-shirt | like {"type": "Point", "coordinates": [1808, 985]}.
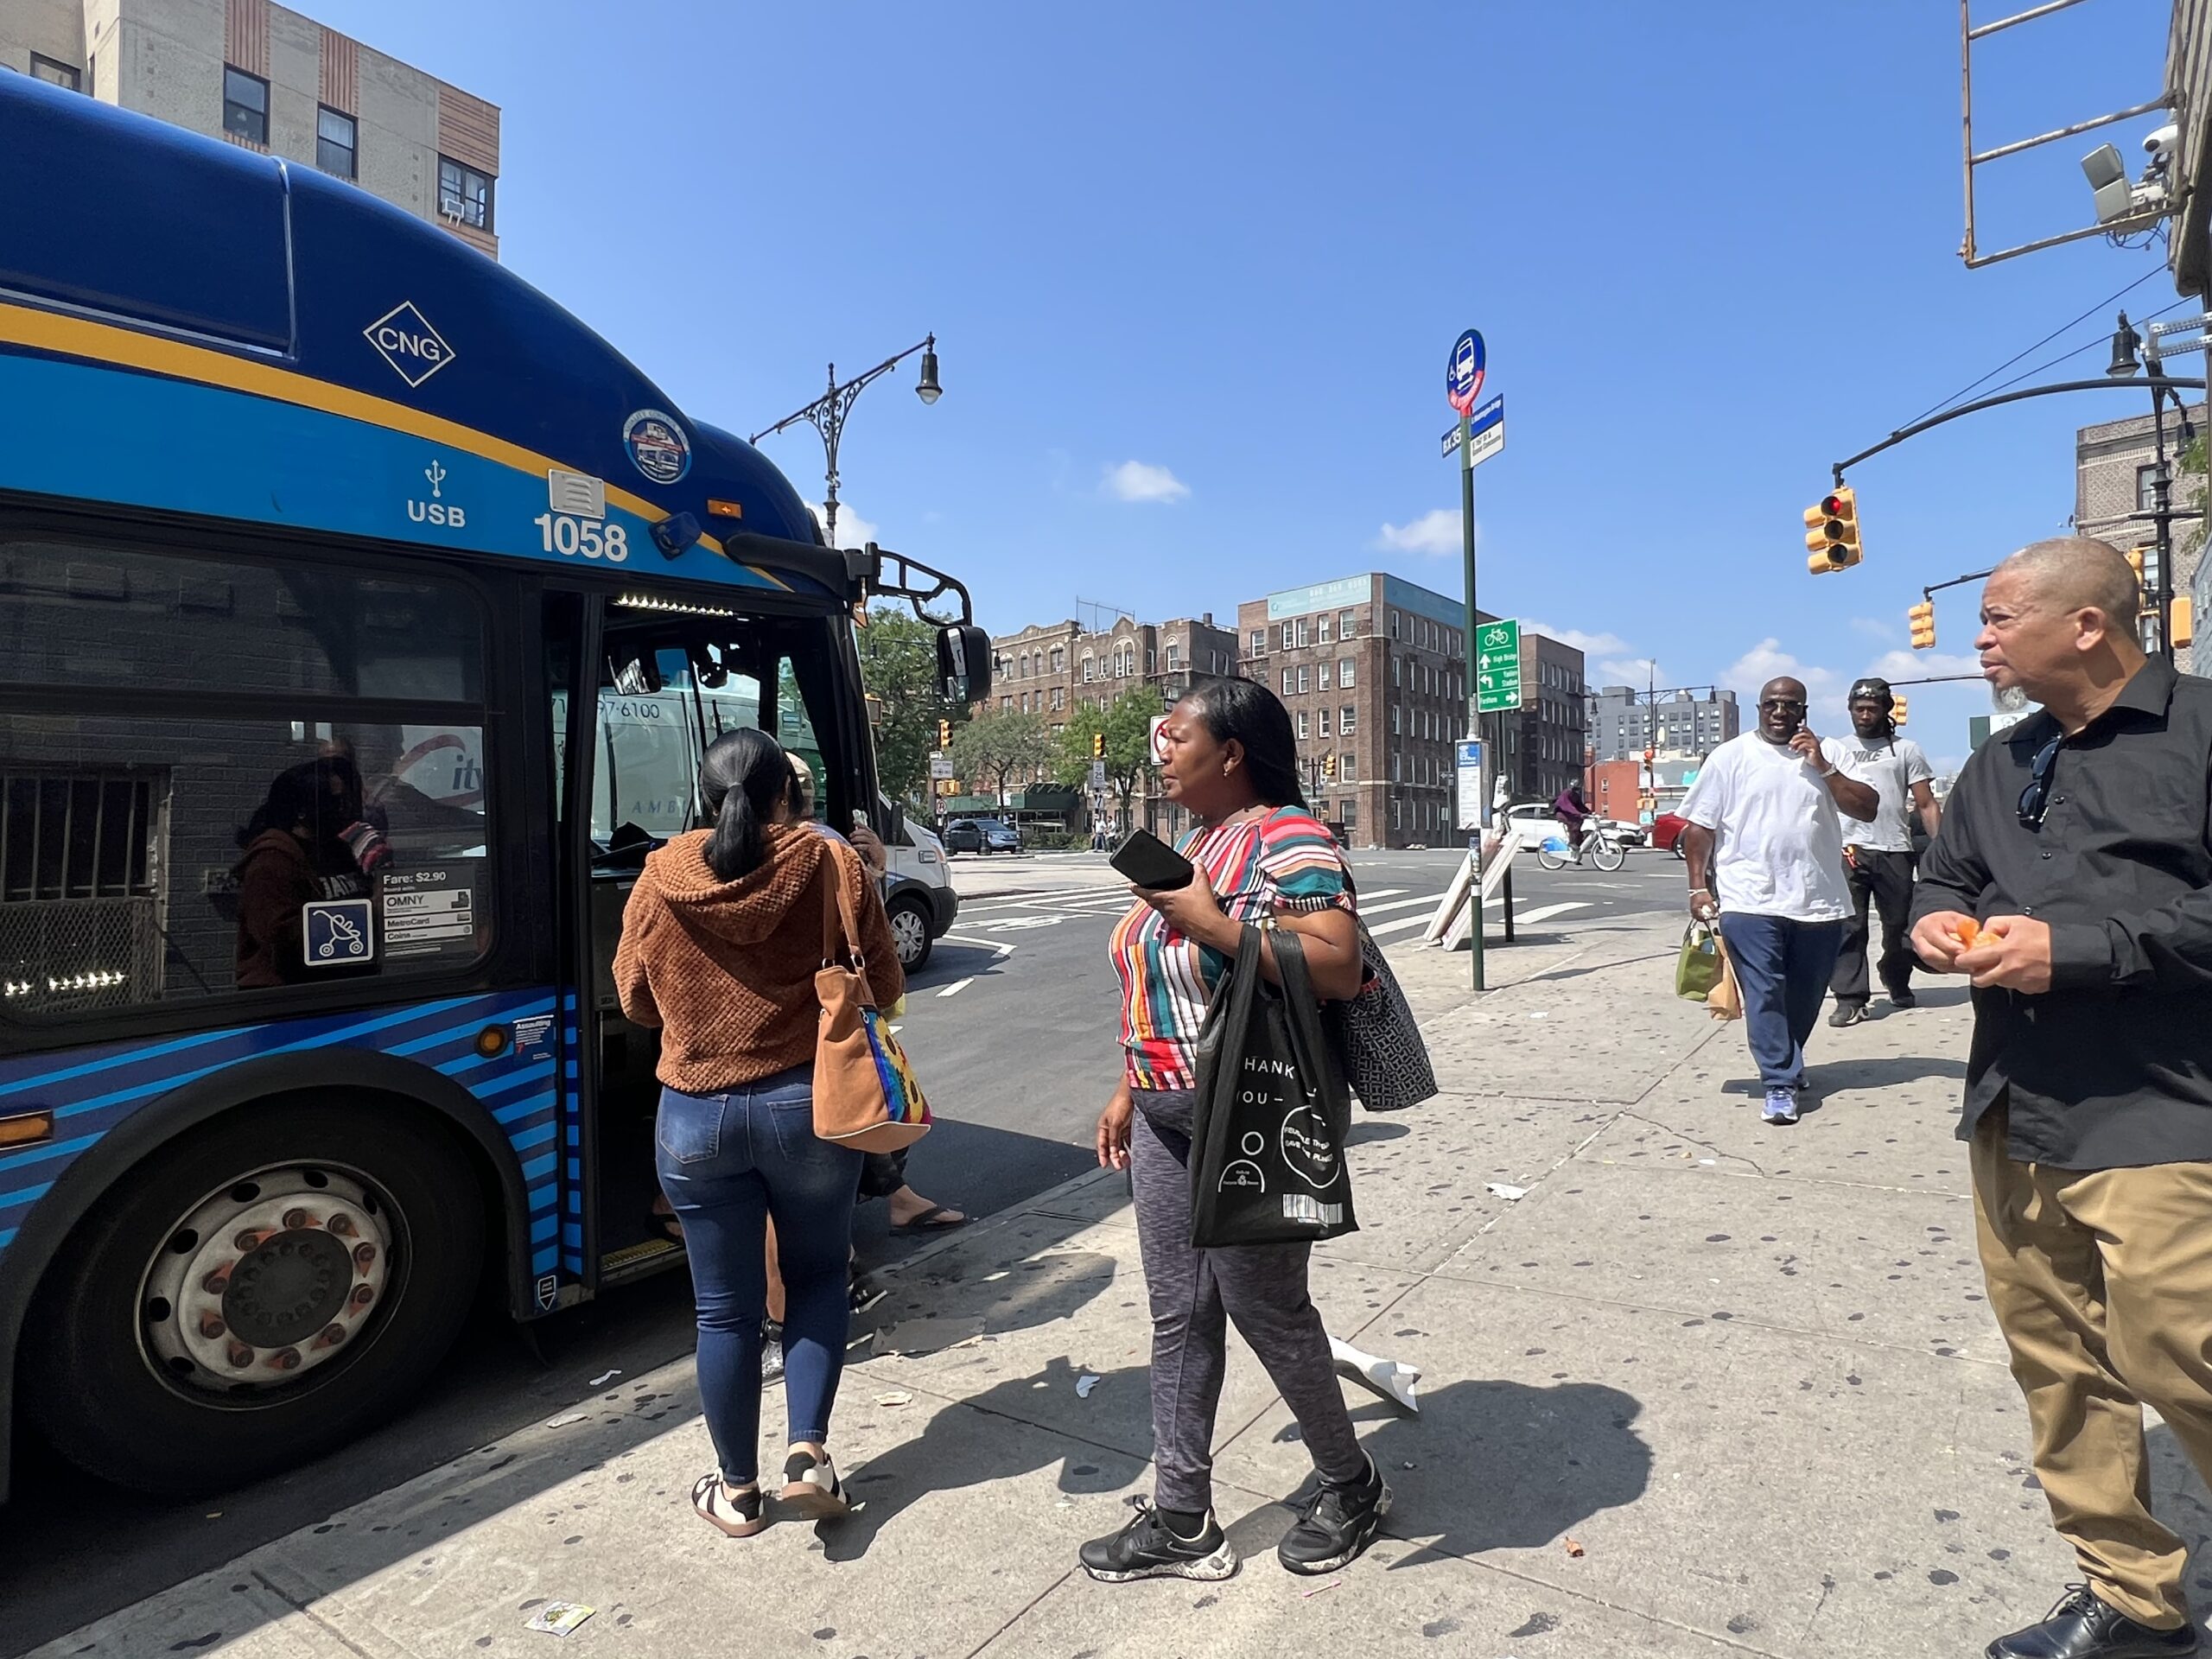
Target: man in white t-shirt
{"type": "Point", "coordinates": [1877, 856]}
{"type": "Point", "coordinates": [1764, 847]}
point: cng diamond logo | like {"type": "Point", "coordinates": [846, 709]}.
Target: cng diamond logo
{"type": "Point", "coordinates": [405, 339]}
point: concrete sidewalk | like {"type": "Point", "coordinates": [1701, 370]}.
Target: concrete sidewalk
{"type": "Point", "coordinates": [1706, 1388]}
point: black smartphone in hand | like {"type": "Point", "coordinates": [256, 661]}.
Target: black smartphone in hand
{"type": "Point", "coordinates": [1151, 862]}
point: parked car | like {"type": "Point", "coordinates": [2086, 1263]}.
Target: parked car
{"type": "Point", "coordinates": [918, 893]}
{"type": "Point", "coordinates": [1667, 833]}
{"type": "Point", "coordinates": [980, 835]}
{"type": "Point", "coordinates": [1629, 834]}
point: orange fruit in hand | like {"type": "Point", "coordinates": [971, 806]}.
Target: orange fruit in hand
{"type": "Point", "coordinates": [1969, 931]}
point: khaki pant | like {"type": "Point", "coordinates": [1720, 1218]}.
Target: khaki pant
{"type": "Point", "coordinates": [2102, 1283]}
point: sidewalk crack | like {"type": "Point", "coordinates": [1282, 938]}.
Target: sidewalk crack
{"type": "Point", "coordinates": [1718, 1151]}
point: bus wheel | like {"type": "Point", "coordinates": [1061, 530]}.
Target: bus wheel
{"type": "Point", "coordinates": [261, 1291]}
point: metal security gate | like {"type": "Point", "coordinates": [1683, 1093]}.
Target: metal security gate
{"type": "Point", "coordinates": [80, 875]}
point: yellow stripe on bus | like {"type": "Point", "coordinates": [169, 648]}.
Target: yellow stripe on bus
{"type": "Point", "coordinates": [50, 331]}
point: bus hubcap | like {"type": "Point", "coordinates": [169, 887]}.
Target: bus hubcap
{"type": "Point", "coordinates": [907, 929]}
{"type": "Point", "coordinates": [265, 1280]}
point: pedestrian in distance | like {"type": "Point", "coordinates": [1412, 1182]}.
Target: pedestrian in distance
{"type": "Point", "coordinates": [721, 941]}
{"type": "Point", "coordinates": [1765, 848]}
{"type": "Point", "coordinates": [1877, 855]}
{"type": "Point", "coordinates": [2073, 883]}
{"type": "Point", "coordinates": [1231, 763]}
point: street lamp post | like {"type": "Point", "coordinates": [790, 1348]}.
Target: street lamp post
{"type": "Point", "coordinates": [826, 415]}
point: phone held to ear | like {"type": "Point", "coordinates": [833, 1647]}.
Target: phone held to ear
{"type": "Point", "coordinates": [1151, 862]}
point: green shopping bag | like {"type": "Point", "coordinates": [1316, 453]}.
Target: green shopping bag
{"type": "Point", "coordinates": [1697, 970]}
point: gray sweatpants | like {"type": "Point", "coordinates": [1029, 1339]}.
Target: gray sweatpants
{"type": "Point", "coordinates": [1262, 1287]}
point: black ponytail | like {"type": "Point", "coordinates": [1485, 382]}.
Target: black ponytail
{"type": "Point", "coordinates": [743, 779]}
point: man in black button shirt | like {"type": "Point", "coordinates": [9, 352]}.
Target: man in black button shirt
{"type": "Point", "coordinates": [2076, 854]}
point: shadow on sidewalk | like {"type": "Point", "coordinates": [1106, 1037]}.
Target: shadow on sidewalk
{"type": "Point", "coordinates": [1492, 1464]}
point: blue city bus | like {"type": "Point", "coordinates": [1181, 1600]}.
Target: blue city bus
{"type": "Point", "coordinates": [362, 617]}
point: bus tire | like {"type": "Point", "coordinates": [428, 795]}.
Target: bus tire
{"type": "Point", "coordinates": [260, 1291]}
{"type": "Point", "coordinates": [909, 932]}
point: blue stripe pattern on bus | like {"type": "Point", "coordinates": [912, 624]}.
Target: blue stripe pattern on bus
{"type": "Point", "coordinates": [92, 1090]}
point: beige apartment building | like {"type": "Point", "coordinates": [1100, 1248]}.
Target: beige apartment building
{"type": "Point", "coordinates": [269, 80]}
{"type": "Point", "coordinates": [2114, 466]}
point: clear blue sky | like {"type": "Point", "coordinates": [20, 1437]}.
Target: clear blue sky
{"type": "Point", "coordinates": [1230, 244]}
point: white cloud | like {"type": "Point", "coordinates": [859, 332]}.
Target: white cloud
{"type": "Point", "coordinates": [1435, 533]}
{"type": "Point", "coordinates": [1590, 644]}
{"type": "Point", "coordinates": [852, 531]}
{"type": "Point", "coordinates": [1139, 480]}
{"type": "Point", "coordinates": [1923, 665]}
{"type": "Point", "coordinates": [1625, 670]}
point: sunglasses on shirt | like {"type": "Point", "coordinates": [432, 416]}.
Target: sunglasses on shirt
{"type": "Point", "coordinates": [2035, 799]}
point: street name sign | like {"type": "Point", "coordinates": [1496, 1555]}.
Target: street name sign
{"type": "Point", "coordinates": [1498, 667]}
{"type": "Point", "coordinates": [1487, 428]}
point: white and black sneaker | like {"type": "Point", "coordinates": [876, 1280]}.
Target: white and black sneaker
{"type": "Point", "coordinates": [811, 1489]}
{"type": "Point", "coordinates": [1149, 1548]}
{"type": "Point", "coordinates": [1336, 1523]}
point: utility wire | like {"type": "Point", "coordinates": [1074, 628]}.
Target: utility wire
{"type": "Point", "coordinates": [2094, 344]}
{"type": "Point", "coordinates": [1947, 402]}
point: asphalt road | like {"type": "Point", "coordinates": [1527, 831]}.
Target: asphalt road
{"type": "Point", "coordinates": [1010, 1026]}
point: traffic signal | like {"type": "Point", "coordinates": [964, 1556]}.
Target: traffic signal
{"type": "Point", "coordinates": [1329, 766]}
{"type": "Point", "coordinates": [1896, 711]}
{"type": "Point", "coordinates": [1832, 532]}
{"type": "Point", "coordinates": [1098, 745]}
{"type": "Point", "coordinates": [1921, 619]}
{"type": "Point", "coordinates": [2134, 557]}
{"type": "Point", "coordinates": [944, 735]}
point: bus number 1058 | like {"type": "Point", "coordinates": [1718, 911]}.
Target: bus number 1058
{"type": "Point", "coordinates": [569, 536]}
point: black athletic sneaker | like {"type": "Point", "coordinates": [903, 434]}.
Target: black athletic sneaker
{"type": "Point", "coordinates": [1337, 1523]}
{"type": "Point", "coordinates": [1149, 1548]}
{"type": "Point", "coordinates": [1848, 1013]}
{"type": "Point", "coordinates": [771, 1352]}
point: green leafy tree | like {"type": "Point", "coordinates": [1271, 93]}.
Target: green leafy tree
{"type": "Point", "coordinates": [898, 671]}
{"type": "Point", "coordinates": [1001, 749]}
{"type": "Point", "coordinates": [1126, 725]}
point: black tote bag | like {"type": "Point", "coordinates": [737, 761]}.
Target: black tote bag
{"type": "Point", "coordinates": [1267, 1137]}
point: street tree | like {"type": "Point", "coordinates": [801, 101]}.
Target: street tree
{"type": "Point", "coordinates": [1001, 749]}
{"type": "Point", "coordinates": [1126, 723]}
{"type": "Point", "coordinates": [898, 652]}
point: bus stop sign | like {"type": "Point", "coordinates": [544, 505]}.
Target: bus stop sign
{"type": "Point", "coordinates": [1463, 371]}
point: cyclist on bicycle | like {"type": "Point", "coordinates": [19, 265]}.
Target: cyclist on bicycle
{"type": "Point", "coordinates": [1574, 815]}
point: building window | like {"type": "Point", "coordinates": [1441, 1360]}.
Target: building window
{"type": "Point", "coordinates": [1175, 655]}
{"type": "Point", "coordinates": [1396, 809]}
{"type": "Point", "coordinates": [464, 193]}
{"type": "Point", "coordinates": [1289, 633]}
{"type": "Point", "coordinates": [1344, 718]}
{"type": "Point", "coordinates": [1343, 673]}
{"type": "Point", "coordinates": [1305, 632]}
{"type": "Point", "coordinates": [1397, 765]}
{"type": "Point", "coordinates": [1090, 668]}
{"type": "Point", "coordinates": [336, 140]}
{"type": "Point", "coordinates": [1347, 769]}
{"type": "Point", "coordinates": [1321, 676]}
{"type": "Point", "coordinates": [2146, 489]}
{"type": "Point", "coordinates": [1305, 679]}
{"type": "Point", "coordinates": [1323, 725]}
{"type": "Point", "coordinates": [1059, 698]}
{"type": "Point", "coordinates": [1304, 725]}
{"type": "Point", "coordinates": [245, 105]}
{"type": "Point", "coordinates": [1060, 659]}
{"type": "Point", "coordinates": [1397, 672]}
{"type": "Point", "coordinates": [1289, 682]}
{"type": "Point", "coordinates": [1396, 715]}
{"type": "Point", "coordinates": [1345, 625]}
{"type": "Point", "coordinates": [1393, 625]}
{"type": "Point", "coordinates": [56, 74]}
{"type": "Point", "coordinates": [1259, 642]}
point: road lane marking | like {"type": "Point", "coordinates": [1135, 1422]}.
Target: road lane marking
{"type": "Point", "coordinates": [1000, 946]}
{"type": "Point", "coordinates": [1367, 909]}
{"type": "Point", "coordinates": [1545, 913]}
{"type": "Point", "coordinates": [957, 986]}
{"type": "Point", "coordinates": [1400, 925]}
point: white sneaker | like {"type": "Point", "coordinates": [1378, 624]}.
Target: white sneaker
{"type": "Point", "coordinates": [1781, 1106]}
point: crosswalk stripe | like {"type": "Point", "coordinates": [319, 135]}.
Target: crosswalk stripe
{"type": "Point", "coordinates": [1545, 913]}
{"type": "Point", "coordinates": [1399, 927]}
{"type": "Point", "coordinates": [1367, 909]}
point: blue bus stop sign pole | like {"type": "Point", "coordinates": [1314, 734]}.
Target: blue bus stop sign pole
{"type": "Point", "coordinates": [1463, 382]}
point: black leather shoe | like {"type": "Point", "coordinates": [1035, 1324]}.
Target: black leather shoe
{"type": "Point", "coordinates": [2082, 1627]}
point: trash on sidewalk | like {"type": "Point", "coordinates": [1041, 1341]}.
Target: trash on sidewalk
{"type": "Point", "coordinates": [896, 1397]}
{"type": "Point", "coordinates": [1507, 1190]}
{"type": "Point", "coordinates": [566, 1418]}
{"type": "Point", "coordinates": [559, 1618]}
{"type": "Point", "coordinates": [1575, 1549]}
{"type": "Point", "coordinates": [1318, 1589]}
{"type": "Point", "coordinates": [1084, 1384]}
{"type": "Point", "coordinates": [1392, 1379]}
{"type": "Point", "coordinates": [606, 1377]}
{"type": "Point", "coordinates": [928, 1335]}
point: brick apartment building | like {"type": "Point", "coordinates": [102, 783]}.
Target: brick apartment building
{"type": "Point", "coordinates": [2112, 465]}
{"type": "Point", "coordinates": [269, 80]}
{"type": "Point", "coordinates": [1372, 669]}
{"type": "Point", "coordinates": [1057, 668]}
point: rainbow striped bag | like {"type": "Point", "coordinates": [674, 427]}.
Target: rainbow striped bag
{"type": "Point", "coordinates": [866, 1095]}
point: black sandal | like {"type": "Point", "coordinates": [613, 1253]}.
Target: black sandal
{"type": "Point", "coordinates": [927, 1222]}
{"type": "Point", "coordinates": [667, 1221]}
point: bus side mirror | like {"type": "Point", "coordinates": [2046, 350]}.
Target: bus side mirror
{"type": "Point", "coordinates": [963, 662]}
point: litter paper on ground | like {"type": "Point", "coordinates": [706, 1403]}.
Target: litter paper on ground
{"type": "Point", "coordinates": [566, 1418]}
{"type": "Point", "coordinates": [559, 1618]}
{"type": "Point", "coordinates": [1505, 1189]}
{"type": "Point", "coordinates": [1083, 1385]}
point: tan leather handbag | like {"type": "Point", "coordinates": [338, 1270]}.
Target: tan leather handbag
{"type": "Point", "coordinates": [866, 1095]}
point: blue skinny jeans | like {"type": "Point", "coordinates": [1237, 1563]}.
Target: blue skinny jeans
{"type": "Point", "coordinates": [730, 1163]}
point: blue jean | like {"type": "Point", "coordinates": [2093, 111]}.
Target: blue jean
{"type": "Point", "coordinates": [729, 1163]}
{"type": "Point", "coordinates": [1782, 969]}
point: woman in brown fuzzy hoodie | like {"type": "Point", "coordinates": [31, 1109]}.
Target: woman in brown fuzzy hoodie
{"type": "Point", "coordinates": [721, 941]}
